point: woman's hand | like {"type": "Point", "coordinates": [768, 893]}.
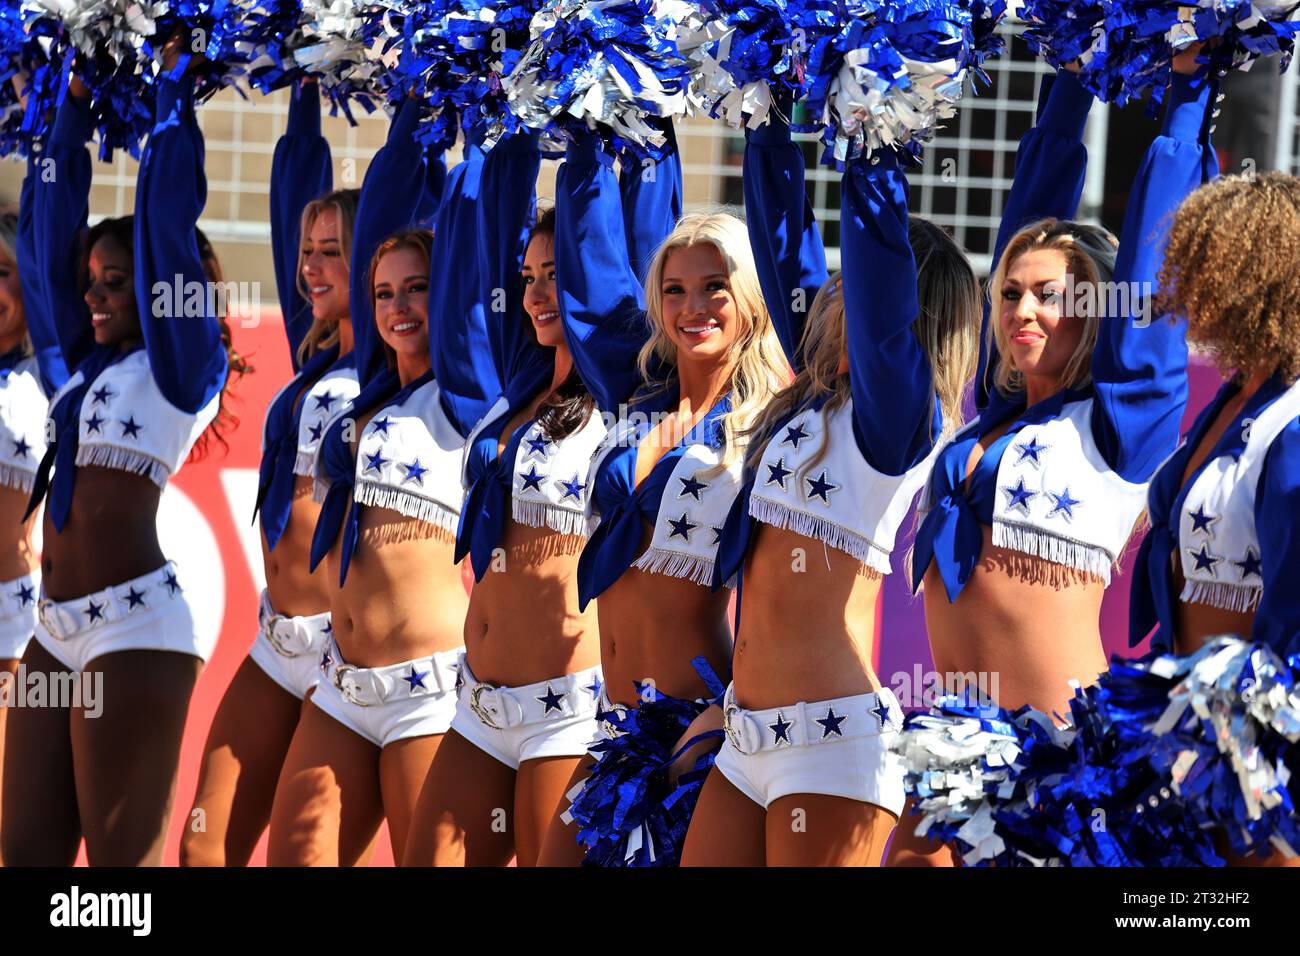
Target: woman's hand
{"type": "Point", "coordinates": [172, 49]}
{"type": "Point", "coordinates": [709, 719]}
{"type": "Point", "coordinates": [1185, 62]}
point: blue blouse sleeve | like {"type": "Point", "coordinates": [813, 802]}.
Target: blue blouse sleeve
{"type": "Point", "coordinates": [395, 177]}
{"type": "Point", "coordinates": [40, 326]}
{"type": "Point", "coordinates": [896, 416]}
{"type": "Point", "coordinates": [651, 191]}
{"type": "Point", "coordinates": [1277, 511]}
{"type": "Point", "coordinates": [1139, 366]}
{"type": "Point", "coordinates": [1051, 164]}
{"type": "Point", "coordinates": [186, 354]}
{"type": "Point", "coordinates": [509, 197]}
{"type": "Point", "coordinates": [60, 201]}
{"type": "Point", "coordinates": [300, 172]}
{"type": "Point", "coordinates": [435, 185]}
{"type": "Point", "coordinates": [782, 231]}
{"type": "Point", "coordinates": [601, 301]}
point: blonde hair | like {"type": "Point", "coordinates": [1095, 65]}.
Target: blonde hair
{"type": "Point", "coordinates": [1089, 253]}
{"type": "Point", "coordinates": [758, 367]}
{"type": "Point", "coordinates": [948, 316]}
{"type": "Point", "coordinates": [324, 333]}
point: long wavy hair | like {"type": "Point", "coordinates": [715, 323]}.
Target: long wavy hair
{"type": "Point", "coordinates": [946, 326]}
{"type": "Point", "coordinates": [1089, 253]}
{"type": "Point", "coordinates": [420, 240]}
{"type": "Point", "coordinates": [9, 250]}
{"type": "Point", "coordinates": [758, 366]}
{"type": "Point", "coordinates": [122, 231]}
{"type": "Point", "coordinates": [324, 333]}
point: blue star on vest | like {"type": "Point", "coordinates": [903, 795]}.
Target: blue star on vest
{"type": "Point", "coordinates": [532, 479]}
{"type": "Point", "coordinates": [26, 595]}
{"type": "Point", "coordinates": [1204, 560]}
{"type": "Point", "coordinates": [134, 599]}
{"type": "Point", "coordinates": [820, 487]}
{"type": "Point", "coordinates": [21, 448]}
{"type": "Point", "coordinates": [780, 729]}
{"type": "Point", "coordinates": [1020, 496]}
{"type": "Point", "coordinates": [594, 686]}
{"type": "Point", "coordinates": [324, 401]}
{"type": "Point", "coordinates": [682, 527]}
{"type": "Point", "coordinates": [778, 473]}
{"type": "Point", "coordinates": [94, 422]}
{"type": "Point", "coordinates": [317, 430]}
{"type": "Point", "coordinates": [572, 488]}
{"type": "Point", "coordinates": [1250, 564]}
{"type": "Point", "coordinates": [537, 446]}
{"type": "Point", "coordinates": [831, 723]}
{"type": "Point", "coordinates": [1064, 503]}
{"type": "Point", "coordinates": [416, 679]}
{"type": "Point", "coordinates": [382, 425]}
{"type": "Point", "coordinates": [1030, 450]}
{"type": "Point", "coordinates": [130, 428]}
{"type": "Point", "coordinates": [794, 434]}
{"type": "Point", "coordinates": [376, 461]}
{"type": "Point", "coordinates": [881, 710]}
{"type": "Point", "coordinates": [94, 612]}
{"type": "Point", "coordinates": [717, 535]}
{"type": "Point", "coordinates": [1202, 522]}
{"type": "Point", "coordinates": [552, 700]}
{"type": "Point", "coordinates": [99, 396]}
{"type": "Point", "coordinates": [692, 487]}
{"type": "Point", "coordinates": [415, 472]}
{"type": "Point", "coordinates": [172, 584]}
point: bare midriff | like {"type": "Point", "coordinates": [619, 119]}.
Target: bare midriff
{"type": "Point", "coordinates": [17, 557]}
{"type": "Point", "coordinates": [111, 534]}
{"type": "Point", "coordinates": [523, 624]}
{"type": "Point", "coordinates": [807, 622]}
{"type": "Point", "coordinates": [293, 589]}
{"type": "Point", "coordinates": [1198, 623]}
{"type": "Point", "coordinates": [653, 625]}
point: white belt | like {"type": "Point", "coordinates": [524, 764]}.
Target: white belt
{"type": "Point", "coordinates": [501, 708]}
{"type": "Point", "coordinates": [369, 686]}
{"type": "Point", "coordinates": [805, 724]}
{"type": "Point", "coordinates": [292, 636]}
{"type": "Point", "coordinates": [65, 620]}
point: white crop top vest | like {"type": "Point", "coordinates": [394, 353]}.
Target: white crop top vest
{"type": "Point", "coordinates": [551, 483]}
{"type": "Point", "coordinates": [842, 500]}
{"type": "Point", "coordinates": [1218, 542]}
{"type": "Point", "coordinates": [22, 425]}
{"type": "Point", "coordinates": [129, 425]}
{"type": "Point", "coordinates": [1057, 498]}
{"type": "Point", "coordinates": [321, 404]}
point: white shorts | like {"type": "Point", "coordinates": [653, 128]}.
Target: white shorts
{"type": "Point", "coordinates": [835, 747]}
{"type": "Point", "coordinates": [289, 649]}
{"type": "Point", "coordinates": [552, 718]}
{"type": "Point", "coordinates": [18, 614]}
{"type": "Point", "coordinates": [383, 704]}
{"type": "Point", "coordinates": [148, 613]}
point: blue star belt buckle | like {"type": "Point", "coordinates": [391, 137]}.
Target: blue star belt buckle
{"type": "Point", "coordinates": [57, 621]}
{"type": "Point", "coordinates": [345, 680]}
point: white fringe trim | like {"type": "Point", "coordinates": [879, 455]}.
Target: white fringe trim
{"type": "Point", "coordinates": [304, 464]}
{"type": "Point", "coordinates": [1222, 594]}
{"type": "Point", "coordinates": [1049, 547]}
{"type": "Point", "coordinates": [320, 488]}
{"type": "Point", "coordinates": [537, 514]}
{"type": "Point", "coordinates": [124, 459]}
{"type": "Point", "coordinates": [821, 529]}
{"type": "Point", "coordinates": [19, 478]}
{"type": "Point", "coordinates": [405, 503]}
{"type": "Point", "coordinates": [676, 565]}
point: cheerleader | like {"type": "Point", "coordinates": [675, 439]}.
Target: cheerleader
{"type": "Point", "coordinates": [390, 465]}
{"type": "Point", "coordinates": [806, 776]}
{"type": "Point", "coordinates": [1030, 507]}
{"type": "Point", "coordinates": [146, 387]}
{"type": "Point", "coordinates": [696, 358]}
{"type": "Point", "coordinates": [1224, 546]}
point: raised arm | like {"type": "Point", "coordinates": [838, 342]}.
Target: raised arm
{"type": "Point", "coordinates": [388, 204]}
{"type": "Point", "coordinates": [1139, 366]}
{"type": "Point", "coordinates": [40, 325]}
{"type": "Point", "coordinates": [300, 172]}
{"type": "Point", "coordinates": [651, 191]}
{"type": "Point", "coordinates": [186, 354]}
{"type": "Point", "coordinates": [895, 414]}
{"type": "Point", "coordinates": [782, 230]}
{"type": "Point", "coordinates": [601, 301]}
{"type": "Point", "coordinates": [1277, 516]}
{"type": "Point", "coordinates": [1048, 181]}
{"type": "Point", "coordinates": [435, 186]}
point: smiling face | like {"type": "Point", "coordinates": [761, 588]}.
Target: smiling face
{"type": "Point", "coordinates": [540, 302]}
{"type": "Point", "coordinates": [401, 296]}
{"type": "Point", "coordinates": [699, 311]}
{"type": "Point", "coordinates": [111, 293]}
{"type": "Point", "coordinates": [1040, 333]}
{"type": "Point", "coordinates": [13, 321]}
{"type": "Point", "coordinates": [324, 268]}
